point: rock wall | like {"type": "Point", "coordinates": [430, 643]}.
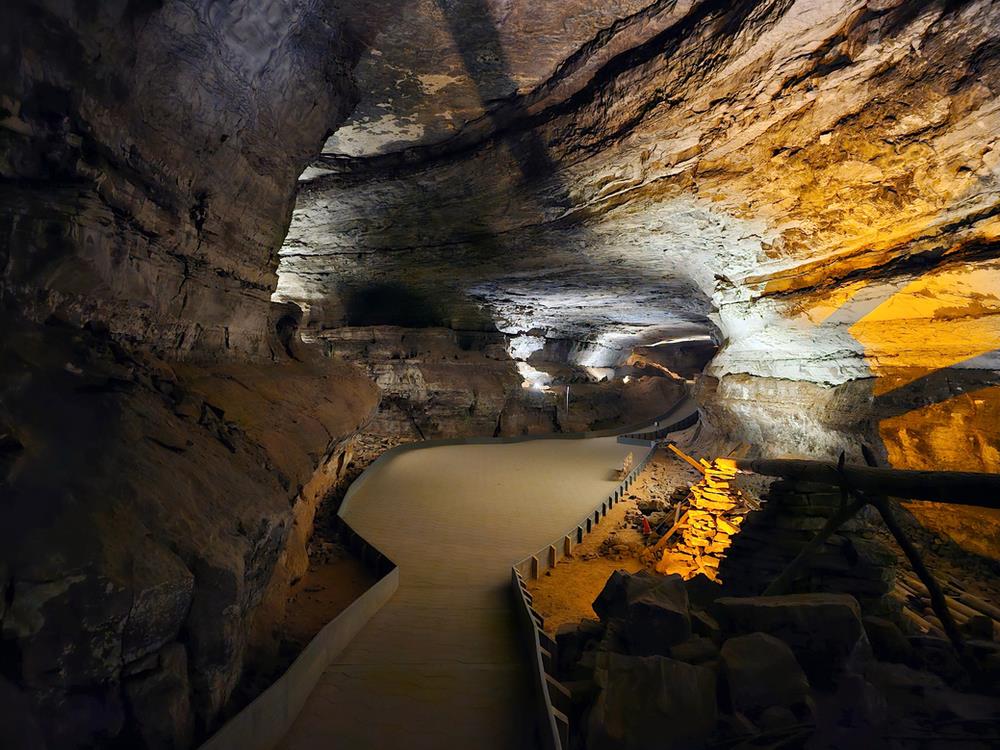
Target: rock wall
{"type": "Point", "coordinates": [435, 382]}
{"type": "Point", "coordinates": [818, 181]}
{"type": "Point", "coordinates": [151, 508]}
{"type": "Point", "coordinates": [443, 383]}
{"type": "Point", "coordinates": [164, 438]}
{"type": "Point", "coordinates": [150, 153]}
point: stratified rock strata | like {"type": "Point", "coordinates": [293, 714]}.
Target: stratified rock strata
{"type": "Point", "coordinates": [163, 441]}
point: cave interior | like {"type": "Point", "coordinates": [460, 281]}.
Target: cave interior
{"type": "Point", "coordinates": [301, 300]}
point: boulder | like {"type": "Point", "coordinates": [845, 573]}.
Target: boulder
{"type": "Point", "coordinates": [978, 627]}
{"type": "Point", "coordinates": [159, 702]}
{"type": "Point", "coordinates": [652, 702]}
{"type": "Point", "coordinates": [653, 610]}
{"type": "Point", "coordinates": [695, 650]}
{"type": "Point", "coordinates": [938, 656]}
{"type": "Point", "coordinates": [775, 718]}
{"type": "Point", "coordinates": [887, 640]}
{"type": "Point", "coordinates": [705, 625]}
{"type": "Point", "coordinates": [824, 631]}
{"type": "Point", "coordinates": [613, 600]}
{"type": "Point", "coordinates": [853, 715]}
{"type": "Point", "coordinates": [761, 671]}
{"type": "Point", "coordinates": [572, 638]}
{"type": "Point", "coordinates": [657, 620]}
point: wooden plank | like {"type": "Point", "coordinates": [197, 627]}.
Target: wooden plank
{"type": "Point", "coordinates": [685, 457]}
{"type": "Point", "coordinates": [670, 532]}
{"type": "Point", "coordinates": [950, 487]}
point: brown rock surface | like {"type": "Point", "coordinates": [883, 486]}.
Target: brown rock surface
{"type": "Point", "coordinates": [652, 702]}
{"type": "Point", "coordinates": [150, 153]}
{"type": "Point", "coordinates": [134, 521]}
{"type": "Point", "coordinates": [823, 630]}
{"type": "Point", "coordinates": [761, 672]}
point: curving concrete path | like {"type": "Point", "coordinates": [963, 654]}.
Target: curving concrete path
{"type": "Point", "coordinates": [440, 666]}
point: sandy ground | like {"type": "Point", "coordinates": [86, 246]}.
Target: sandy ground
{"type": "Point", "coordinates": [565, 593]}
{"type": "Point", "coordinates": [321, 594]}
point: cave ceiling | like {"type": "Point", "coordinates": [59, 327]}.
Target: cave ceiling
{"type": "Point", "coordinates": [788, 176]}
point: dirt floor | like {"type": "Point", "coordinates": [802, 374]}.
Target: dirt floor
{"type": "Point", "coordinates": [565, 593]}
{"type": "Point", "coordinates": [335, 578]}
{"type": "Point", "coordinates": [326, 590]}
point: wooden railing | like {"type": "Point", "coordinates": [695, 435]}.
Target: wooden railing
{"type": "Point", "coordinates": [552, 700]}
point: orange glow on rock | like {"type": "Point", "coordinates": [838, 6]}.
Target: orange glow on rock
{"type": "Point", "coordinates": [960, 434]}
{"type": "Point", "coordinates": [937, 321]}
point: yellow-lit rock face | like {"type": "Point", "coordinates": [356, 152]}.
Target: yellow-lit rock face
{"type": "Point", "coordinates": [938, 320]}
{"type": "Point", "coordinates": [820, 180]}
{"type": "Point", "coordinates": [961, 433]}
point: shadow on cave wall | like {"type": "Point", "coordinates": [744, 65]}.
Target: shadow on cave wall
{"type": "Point", "coordinates": [391, 304]}
{"type": "Point", "coordinates": [429, 213]}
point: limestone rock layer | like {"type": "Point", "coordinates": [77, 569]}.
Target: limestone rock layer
{"type": "Point", "coordinates": [164, 441]}
{"type": "Point", "coordinates": [813, 183]}
{"type": "Point", "coordinates": [150, 152]}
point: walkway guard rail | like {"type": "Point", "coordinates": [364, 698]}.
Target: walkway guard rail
{"type": "Point", "coordinates": [552, 699]}
{"type": "Point", "coordinates": [263, 723]}
{"type": "Point", "coordinates": [662, 432]}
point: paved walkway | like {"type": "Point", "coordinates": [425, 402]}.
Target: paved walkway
{"type": "Point", "coordinates": [440, 665]}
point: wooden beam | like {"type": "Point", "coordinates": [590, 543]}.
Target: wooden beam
{"type": "Point", "coordinates": [685, 457]}
{"type": "Point", "coordinates": [953, 487]}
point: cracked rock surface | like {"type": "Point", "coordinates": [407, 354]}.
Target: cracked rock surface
{"type": "Point", "coordinates": [814, 183]}
{"type": "Point", "coordinates": [163, 445]}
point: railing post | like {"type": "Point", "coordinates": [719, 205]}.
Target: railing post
{"type": "Point", "coordinates": [534, 567]}
{"type": "Point", "coordinates": [552, 556]}
{"type": "Point", "coordinates": [567, 546]}
{"type": "Point", "coordinates": [562, 726]}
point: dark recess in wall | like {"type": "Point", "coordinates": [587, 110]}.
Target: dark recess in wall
{"type": "Point", "coordinates": [391, 304]}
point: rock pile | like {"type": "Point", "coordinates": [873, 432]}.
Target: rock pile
{"type": "Point", "coordinates": [853, 561]}
{"type": "Point", "coordinates": [715, 511]}
{"type": "Point", "coordinates": [663, 669]}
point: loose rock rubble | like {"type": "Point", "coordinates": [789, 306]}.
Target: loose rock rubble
{"type": "Point", "coordinates": [707, 518]}
{"type": "Point", "coordinates": [665, 667]}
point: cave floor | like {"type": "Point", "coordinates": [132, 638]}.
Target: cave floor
{"type": "Point", "coordinates": [440, 664]}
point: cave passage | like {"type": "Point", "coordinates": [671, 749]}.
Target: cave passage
{"type": "Point", "coordinates": [287, 285]}
{"type": "Point", "coordinates": [444, 653]}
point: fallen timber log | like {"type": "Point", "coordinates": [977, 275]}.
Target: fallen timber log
{"type": "Point", "coordinates": [952, 487]}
